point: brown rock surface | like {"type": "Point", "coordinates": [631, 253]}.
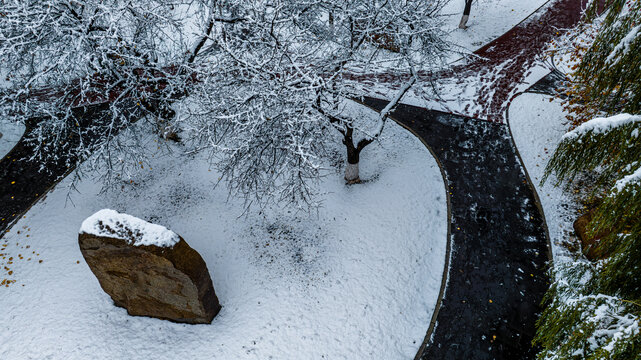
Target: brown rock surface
{"type": "Point", "coordinates": [170, 283]}
{"type": "Point", "coordinates": [589, 244]}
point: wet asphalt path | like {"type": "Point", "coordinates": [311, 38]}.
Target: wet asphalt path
{"type": "Point", "coordinates": [499, 246]}
{"type": "Point", "coordinates": [23, 181]}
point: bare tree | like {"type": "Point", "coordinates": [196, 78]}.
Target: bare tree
{"type": "Point", "coordinates": [119, 61]}
{"type": "Point", "coordinates": [466, 14]}
{"type": "Point", "coordinates": [273, 94]}
{"type": "Point", "coordinates": [260, 84]}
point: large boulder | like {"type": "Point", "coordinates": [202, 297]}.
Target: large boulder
{"type": "Point", "coordinates": [148, 269]}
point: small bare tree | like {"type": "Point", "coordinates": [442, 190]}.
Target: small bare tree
{"type": "Point", "coordinates": [466, 14]}
{"type": "Point", "coordinates": [264, 82]}
{"type": "Point", "coordinates": [89, 69]}
{"type": "Point", "coordinates": [271, 97]}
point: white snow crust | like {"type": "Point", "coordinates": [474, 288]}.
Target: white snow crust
{"type": "Point", "coordinates": [11, 134]}
{"type": "Point", "coordinates": [602, 125]}
{"type": "Point", "coordinates": [359, 279]}
{"type": "Point", "coordinates": [623, 47]}
{"type": "Point", "coordinates": [628, 180]}
{"type": "Point", "coordinates": [137, 232]}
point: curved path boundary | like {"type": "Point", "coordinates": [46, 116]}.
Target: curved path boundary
{"type": "Point", "coordinates": [501, 64]}
{"type": "Point", "coordinates": [23, 182]}
{"type": "Point", "coordinates": [496, 277]}
{"type": "Point", "coordinates": [497, 243]}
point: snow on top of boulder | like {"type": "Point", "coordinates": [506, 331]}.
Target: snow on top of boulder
{"type": "Point", "coordinates": [137, 232]}
{"type": "Point", "coordinates": [601, 125]}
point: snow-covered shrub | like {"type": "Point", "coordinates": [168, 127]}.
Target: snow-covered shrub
{"type": "Point", "coordinates": [580, 323]}
{"type": "Point", "coordinates": [592, 310]}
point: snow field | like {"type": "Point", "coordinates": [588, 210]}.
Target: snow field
{"type": "Point", "coordinates": [357, 280]}
{"type": "Point", "coordinates": [11, 134]}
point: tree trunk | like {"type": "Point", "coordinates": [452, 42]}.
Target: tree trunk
{"type": "Point", "coordinates": [351, 168]}
{"type": "Point", "coordinates": [353, 155]}
{"type": "Point", "coordinates": [164, 115]}
{"type": "Point", "coordinates": [466, 14]}
{"type": "Point", "coordinates": [331, 22]}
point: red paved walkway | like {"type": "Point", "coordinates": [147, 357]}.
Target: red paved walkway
{"type": "Point", "coordinates": [503, 63]}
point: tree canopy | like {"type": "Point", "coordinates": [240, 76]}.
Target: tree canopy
{"type": "Point", "coordinates": [261, 85]}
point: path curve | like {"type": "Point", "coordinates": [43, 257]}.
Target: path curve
{"type": "Point", "coordinates": [499, 246]}
{"type": "Point", "coordinates": [22, 181]}
{"type": "Point", "coordinates": [496, 276]}
{"type": "Point", "coordinates": [492, 75]}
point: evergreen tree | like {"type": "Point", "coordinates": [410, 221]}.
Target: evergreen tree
{"type": "Point", "coordinates": [593, 309]}
{"type": "Point", "coordinates": [608, 78]}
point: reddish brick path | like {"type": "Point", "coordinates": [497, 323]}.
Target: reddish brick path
{"type": "Point", "coordinates": [516, 50]}
{"type": "Point", "coordinates": [503, 63]}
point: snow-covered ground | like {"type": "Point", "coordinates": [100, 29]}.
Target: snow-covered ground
{"type": "Point", "coordinates": [537, 123]}
{"type": "Point", "coordinates": [357, 280]}
{"type": "Point", "coordinates": [462, 97]}
{"type": "Point", "coordinates": [11, 134]}
{"type": "Point", "coordinates": [489, 19]}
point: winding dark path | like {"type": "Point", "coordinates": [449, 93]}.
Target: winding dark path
{"type": "Point", "coordinates": [496, 275]}
{"type": "Point", "coordinates": [499, 245]}
{"type": "Point", "coordinates": [22, 183]}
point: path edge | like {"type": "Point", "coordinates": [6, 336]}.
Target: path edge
{"type": "Point", "coordinates": [448, 248]}
{"type": "Point", "coordinates": [40, 198]}
{"type": "Point", "coordinates": [537, 198]}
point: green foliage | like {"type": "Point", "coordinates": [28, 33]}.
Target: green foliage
{"type": "Point", "coordinates": [608, 77]}
{"type": "Point", "coordinates": [593, 309]}
{"type": "Point", "coordinates": [612, 152]}
{"type": "Point", "coordinates": [577, 324]}
{"type": "Point", "coordinates": [613, 149]}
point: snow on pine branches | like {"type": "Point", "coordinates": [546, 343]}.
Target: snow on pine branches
{"type": "Point", "coordinates": [608, 77]}
{"type": "Point", "coordinates": [593, 309]}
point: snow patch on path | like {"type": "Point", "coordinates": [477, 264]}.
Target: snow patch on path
{"type": "Point", "coordinates": [11, 134]}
